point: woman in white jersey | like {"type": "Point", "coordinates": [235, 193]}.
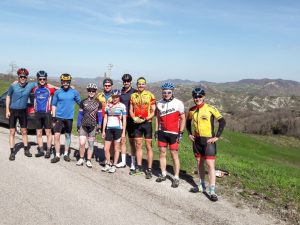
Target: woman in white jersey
{"type": "Point", "coordinates": [114, 129]}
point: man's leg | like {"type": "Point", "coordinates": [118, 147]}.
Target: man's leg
{"type": "Point", "coordinates": [67, 147]}
{"type": "Point", "coordinates": [201, 172]}
{"type": "Point", "coordinates": [176, 163]}
{"type": "Point", "coordinates": [139, 152]}
{"type": "Point", "coordinates": [212, 174]}
{"type": "Point", "coordinates": [133, 153]}
{"type": "Point", "coordinates": [57, 148]}
{"type": "Point", "coordinates": [149, 152]}
{"type": "Point", "coordinates": [163, 164]}
{"type": "Point", "coordinates": [49, 142]}
{"type": "Point", "coordinates": [12, 133]}
{"type": "Point", "coordinates": [25, 142]}
{"type": "Point", "coordinates": [39, 139]}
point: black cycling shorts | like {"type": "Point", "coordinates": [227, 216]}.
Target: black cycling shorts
{"type": "Point", "coordinates": [203, 150]}
{"type": "Point", "coordinates": [18, 114]}
{"type": "Point", "coordinates": [113, 135]}
{"type": "Point", "coordinates": [61, 124]}
{"type": "Point", "coordinates": [143, 129]}
{"type": "Point", "coordinates": [130, 125]}
{"type": "Point", "coordinates": [165, 139]}
{"type": "Point", "coordinates": [43, 120]}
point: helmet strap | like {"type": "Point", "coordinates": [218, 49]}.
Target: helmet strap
{"type": "Point", "coordinates": [170, 99]}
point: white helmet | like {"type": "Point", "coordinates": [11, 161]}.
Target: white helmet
{"type": "Point", "coordinates": [92, 86]}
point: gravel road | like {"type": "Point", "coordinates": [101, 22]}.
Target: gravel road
{"type": "Point", "coordinates": [34, 191]}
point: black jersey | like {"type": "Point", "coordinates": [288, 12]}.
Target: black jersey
{"type": "Point", "coordinates": [125, 98]}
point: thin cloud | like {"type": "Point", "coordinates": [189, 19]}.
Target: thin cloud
{"type": "Point", "coordinates": [123, 21]}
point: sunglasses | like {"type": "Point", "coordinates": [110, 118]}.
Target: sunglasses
{"type": "Point", "coordinates": [199, 96]}
{"type": "Point", "coordinates": [23, 77]}
{"type": "Point", "coordinates": [167, 92]}
{"type": "Point", "coordinates": [126, 81]}
{"type": "Point", "coordinates": [107, 85]}
{"type": "Point", "coordinates": [91, 90]}
{"type": "Point", "coordinates": [42, 79]}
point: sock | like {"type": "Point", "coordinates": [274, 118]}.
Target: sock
{"type": "Point", "coordinates": [212, 189]}
{"type": "Point", "coordinates": [149, 169]}
{"type": "Point", "coordinates": [202, 184]}
{"type": "Point", "coordinates": [26, 148]}
{"type": "Point", "coordinates": [164, 173]}
{"type": "Point", "coordinates": [57, 154]}
{"type": "Point", "coordinates": [11, 150]}
{"type": "Point", "coordinates": [176, 177]}
{"type": "Point", "coordinates": [133, 160]}
{"type": "Point", "coordinates": [66, 153]}
{"type": "Point", "coordinates": [124, 158]}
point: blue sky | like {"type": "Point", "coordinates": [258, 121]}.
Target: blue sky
{"type": "Point", "coordinates": [212, 40]}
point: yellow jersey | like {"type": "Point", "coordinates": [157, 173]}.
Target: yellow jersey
{"type": "Point", "coordinates": [101, 98]}
{"type": "Point", "coordinates": [141, 103]}
{"type": "Point", "coordinates": [202, 118]}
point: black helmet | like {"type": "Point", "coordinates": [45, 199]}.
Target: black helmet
{"type": "Point", "coordinates": [126, 77]}
{"type": "Point", "coordinates": [198, 92]}
{"type": "Point", "coordinates": [41, 73]}
{"type": "Point", "coordinates": [108, 80]}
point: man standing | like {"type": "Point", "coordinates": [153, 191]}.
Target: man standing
{"type": "Point", "coordinates": [105, 96]}
{"type": "Point", "coordinates": [126, 92]}
{"type": "Point", "coordinates": [42, 105]}
{"type": "Point", "coordinates": [16, 109]}
{"type": "Point", "coordinates": [170, 124]}
{"type": "Point", "coordinates": [63, 107]}
{"type": "Point", "coordinates": [202, 115]}
{"type": "Point", "coordinates": [142, 109]}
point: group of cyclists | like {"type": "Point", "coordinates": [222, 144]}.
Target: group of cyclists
{"type": "Point", "coordinates": [117, 114]}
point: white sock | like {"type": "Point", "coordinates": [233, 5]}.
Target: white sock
{"type": "Point", "coordinates": [133, 160]}
{"type": "Point", "coordinates": [66, 153]}
{"type": "Point", "coordinates": [124, 158]}
{"type": "Point", "coordinates": [57, 154]}
{"type": "Point", "coordinates": [164, 173]}
{"type": "Point", "coordinates": [176, 177]}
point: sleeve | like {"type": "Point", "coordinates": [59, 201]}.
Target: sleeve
{"type": "Point", "coordinates": [79, 118]}
{"type": "Point", "coordinates": [52, 90]}
{"type": "Point", "coordinates": [152, 99]}
{"type": "Point", "coordinates": [181, 107]}
{"type": "Point", "coordinates": [55, 98]}
{"type": "Point", "coordinates": [215, 113]}
{"type": "Point", "coordinates": [77, 97]}
{"type": "Point", "coordinates": [189, 121]}
{"type": "Point", "coordinates": [10, 90]}
{"type": "Point", "coordinates": [222, 124]}
{"type": "Point", "coordinates": [32, 85]}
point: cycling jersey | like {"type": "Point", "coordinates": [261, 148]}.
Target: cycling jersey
{"type": "Point", "coordinates": [42, 98]}
{"type": "Point", "coordinates": [141, 103]}
{"type": "Point", "coordinates": [89, 109]}
{"type": "Point", "coordinates": [203, 117]}
{"type": "Point", "coordinates": [125, 97]}
{"type": "Point", "coordinates": [19, 95]}
{"type": "Point", "coordinates": [169, 115]}
{"type": "Point", "coordinates": [65, 100]}
{"type": "Point", "coordinates": [114, 115]}
{"type": "Point", "coordinates": [104, 98]}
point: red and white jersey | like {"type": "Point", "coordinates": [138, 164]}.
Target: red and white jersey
{"type": "Point", "coordinates": [169, 115]}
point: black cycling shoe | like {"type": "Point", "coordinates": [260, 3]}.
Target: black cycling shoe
{"type": "Point", "coordinates": [48, 154]}
{"type": "Point", "coordinates": [40, 153]}
{"type": "Point", "coordinates": [67, 158]}
{"type": "Point", "coordinates": [213, 197]}
{"type": "Point", "coordinates": [175, 183]}
{"type": "Point", "coordinates": [55, 159]}
{"type": "Point", "coordinates": [161, 178]}
{"type": "Point", "coordinates": [27, 153]}
{"type": "Point", "coordinates": [12, 156]}
{"type": "Point", "coordinates": [148, 174]}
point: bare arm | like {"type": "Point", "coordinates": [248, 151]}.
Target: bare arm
{"type": "Point", "coordinates": [7, 106]}
{"type": "Point", "coordinates": [124, 123]}
{"type": "Point", "coordinates": [104, 125]}
{"type": "Point", "coordinates": [182, 122]}
{"type": "Point", "coordinates": [53, 112]}
{"type": "Point", "coordinates": [152, 112]}
{"type": "Point", "coordinates": [131, 110]}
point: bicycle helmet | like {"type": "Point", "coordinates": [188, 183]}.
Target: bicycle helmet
{"type": "Point", "coordinates": [22, 71]}
{"type": "Point", "coordinates": [198, 92]}
{"type": "Point", "coordinates": [108, 80]}
{"type": "Point", "coordinates": [126, 77]}
{"type": "Point", "coordinates": [168, 86]}
{"type": "Point", "coordinates": [65, 77]}
{"type": "Point", "coordinates": [91, 86]}
{"type": "Point", "coordinates": [41, 73]}
{"type": "Point", "coordinates": [116, 92]}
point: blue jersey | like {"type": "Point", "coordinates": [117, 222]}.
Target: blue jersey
{"type": "Point", "coordinates": [64, 101]}
{"type": "Point", "coordinates": [19, 95]}
{"type": "Point", "coordinates": [42, 98]}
